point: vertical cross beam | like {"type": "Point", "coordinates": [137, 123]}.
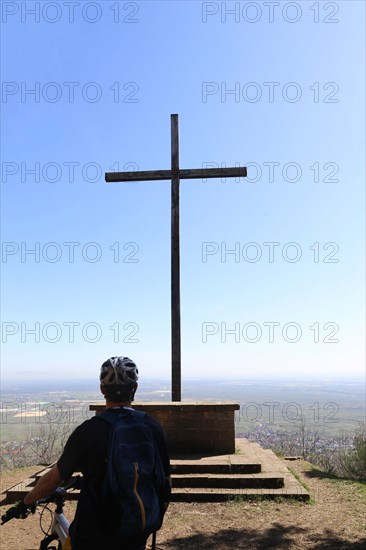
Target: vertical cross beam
{"type": "Point", "coordinates": [175, 263]}
{"type": "Point", "coordinates": [175, 175]}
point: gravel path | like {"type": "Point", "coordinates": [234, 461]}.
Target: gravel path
{"type": "Point", "coordinates": [335, 519]}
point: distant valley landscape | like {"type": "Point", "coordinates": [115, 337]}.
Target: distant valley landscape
{"type": "Point", "coordinates": [330, 407]}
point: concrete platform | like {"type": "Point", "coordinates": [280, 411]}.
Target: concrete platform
{"type": "Point", "coordinates": [249, 473]}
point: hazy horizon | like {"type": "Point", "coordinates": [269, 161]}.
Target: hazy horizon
{"type": "Point", "coordinates": [70, 382]}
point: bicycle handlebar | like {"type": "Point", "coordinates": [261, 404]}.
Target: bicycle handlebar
{"type": "Point", "coordinates": [11, 514]}
{"type": "Point", "coordinates": [57, 495]}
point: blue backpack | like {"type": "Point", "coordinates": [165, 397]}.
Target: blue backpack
{"type": "Point", "coordinates": [135, 483]}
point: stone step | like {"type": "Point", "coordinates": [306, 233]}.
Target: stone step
{"type": "Point", "coordinates": [41, 473]}
{"type": "Point", "coordinates": [18, 491]}
{"type": "Point", "coordinates": [222, 495]}
{"type": "Point", "coordinates": [213, 467]}
{"type": "Point", "coordinates": [249, 472]}
{"type": "Point", "coordinates": [236, 481]}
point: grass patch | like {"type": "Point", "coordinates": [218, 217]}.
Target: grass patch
{"type": "Point", "coordinates": [354, 486]}
{"type": "Point", "coordinates": [279, 453]}
{"type": "Point", "coordinates": [342, 483]}
{"type": "Point", "coordinates": [302, 482]}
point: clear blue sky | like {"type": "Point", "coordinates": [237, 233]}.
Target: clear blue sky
{"type": "Point", "coordinates": [278, 87]}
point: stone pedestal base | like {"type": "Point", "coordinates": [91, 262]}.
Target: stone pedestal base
{"type": "Point", "coordinates": [193, 427]}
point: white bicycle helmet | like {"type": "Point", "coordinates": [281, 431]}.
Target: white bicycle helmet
{"type": "Point", "coordinates": [118, 371]}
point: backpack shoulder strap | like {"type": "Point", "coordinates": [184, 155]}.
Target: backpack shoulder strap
{"type": "Point", "coordinates": [139, 415]}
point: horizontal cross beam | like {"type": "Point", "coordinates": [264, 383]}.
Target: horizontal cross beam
{"type": "Point", "coordinates": [197, 173]}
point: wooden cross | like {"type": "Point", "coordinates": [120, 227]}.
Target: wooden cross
{"type": "Point", "coordinates": [175, 175]}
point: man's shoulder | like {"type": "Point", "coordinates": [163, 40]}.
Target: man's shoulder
{"type": "Point", "coordinates": [89, 426]}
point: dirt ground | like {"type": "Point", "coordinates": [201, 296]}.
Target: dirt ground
{"type": "Point", "coordinates": [334, 519]}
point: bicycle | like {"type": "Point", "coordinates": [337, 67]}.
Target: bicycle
{"type": "Point", "coordinates": [59, 529]}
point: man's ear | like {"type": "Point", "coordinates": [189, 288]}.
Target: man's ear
{"type": "Point", "coordinates": [102, 389]}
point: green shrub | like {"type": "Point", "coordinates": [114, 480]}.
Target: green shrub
{"type": "Point", "coordinates": [353, 462]}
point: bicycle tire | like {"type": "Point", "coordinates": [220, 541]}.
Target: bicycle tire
{"type": "Point", "coordinates": [48, 543]}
